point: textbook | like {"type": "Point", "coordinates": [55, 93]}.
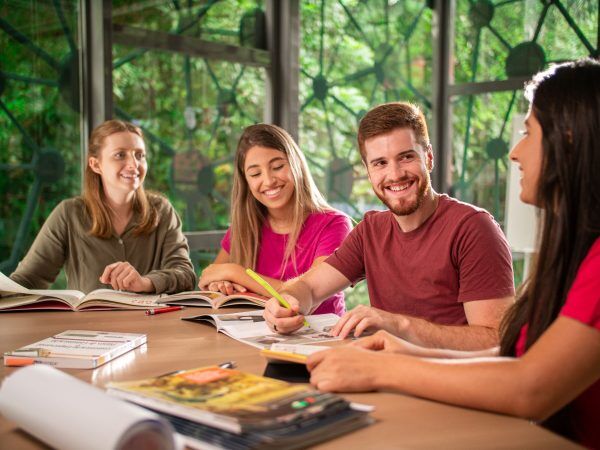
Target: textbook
{"type": "Point", "coordinates": [233, 406]}
{"type": "Point", "coordinates": [250, 328]}
{"type": "Point", "coordinates": [14, 297]}
{"type": "Point", "coordinates": [214, 299]}
{"type": "Point", "coordinates": [75, 349]}
{"type": "Point", "coordinates": [67, 413]}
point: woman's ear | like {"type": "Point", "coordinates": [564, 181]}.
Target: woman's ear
{"type": "Point", "coordinates": [94, 164]}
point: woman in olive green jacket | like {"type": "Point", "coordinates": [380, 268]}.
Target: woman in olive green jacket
{"type": "Point", "coordinates": [115, 235]}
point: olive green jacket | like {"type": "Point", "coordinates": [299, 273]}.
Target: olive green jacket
{"type": "Point", "coordinates": [162, 255]}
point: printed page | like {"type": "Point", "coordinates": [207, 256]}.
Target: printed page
{"type": "Point", "coordinates": [192, 298]}
{"type": "Point", "coordinates": [8, 286]}
{"type": "Point", "coordinates": [69, 414]}
{"type": "Point", "coordinates": [107, 297]}
{"type": "Point", "coordinates": [250, 328]}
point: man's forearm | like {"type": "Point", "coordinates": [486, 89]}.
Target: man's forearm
{"type": "Point", "coordinates": [427, 334]}
{"type": "Point", "coordinates": [302, 292]}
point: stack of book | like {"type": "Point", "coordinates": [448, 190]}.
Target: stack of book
{"type": "Point", "coordinates": [226, 408]}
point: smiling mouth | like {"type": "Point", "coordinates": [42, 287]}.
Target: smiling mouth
{"type": "Point", "coordinates": [272, 192]}
{"type": "Point", "coordinates": [399, 187]}
{"type": "Point", "coordinates": [130, 176]}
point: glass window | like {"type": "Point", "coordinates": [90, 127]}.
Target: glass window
{"type": "Point", "coordinates": [40, 146]}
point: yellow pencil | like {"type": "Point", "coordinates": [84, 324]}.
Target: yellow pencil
{"type": "Point", "coordinates": [256, 277]}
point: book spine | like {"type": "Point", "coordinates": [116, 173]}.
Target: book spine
{"type": "Point", "coordinates": [120, 350]}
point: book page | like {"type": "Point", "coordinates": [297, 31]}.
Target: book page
{"type": "Point", "coordinates": [192, 298]}
{"type": "Point", "coordinates": [242, 298]}
{"type": "Point", "coordinates": [250, 328]}
{"type": "Point", "coordinates": [110, 297]}
{"type": "Point", "coordinates": [8, 286]}
{"type": "Point", "coordinates": [67, 413]}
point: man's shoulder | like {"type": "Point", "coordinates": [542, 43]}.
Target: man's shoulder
{"type": "Point", "coordinates": [457, 211]}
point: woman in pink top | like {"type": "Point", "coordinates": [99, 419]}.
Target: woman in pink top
{"type": "Point", "coordinates": [281, 225]}
{"type": "Point", "coordinates": [549, 364]}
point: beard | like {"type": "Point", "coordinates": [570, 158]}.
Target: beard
{"type": "Point", "coordinates": [409, 205]}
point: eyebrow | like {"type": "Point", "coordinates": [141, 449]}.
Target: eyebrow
{"type": "Point", "coordinates": [277, 158]}
{"type": "Point", "coordinates": [118, 149]}
{"type": "Point", "coordinates": [402, 153]}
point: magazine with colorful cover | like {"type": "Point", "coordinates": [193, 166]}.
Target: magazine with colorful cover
{"type": "Point", "coordinates": [250, 328]}
{"type": "Point", "coordinates": [228, 399]}
{"type": "Point", "coordinates": [75, 349]}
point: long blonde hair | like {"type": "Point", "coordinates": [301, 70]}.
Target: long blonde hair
{"type": "Point", "coordinates": [93, 191]}
{"type": "Point", "coordinates": [248, 214]}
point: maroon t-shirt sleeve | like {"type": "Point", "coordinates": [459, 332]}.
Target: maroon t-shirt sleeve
{"type": "Point", "coordinates": [349, 258]}
{"type": "Point", "coordinates": [483, 260]}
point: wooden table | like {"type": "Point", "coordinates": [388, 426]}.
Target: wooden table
{"type": "Point", "coordinates": [402, 421]}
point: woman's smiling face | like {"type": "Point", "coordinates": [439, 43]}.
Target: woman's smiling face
{"type": "Point", "coordinates": [269, 177]}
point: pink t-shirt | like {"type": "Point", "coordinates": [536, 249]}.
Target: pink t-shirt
{"type": "Point", "coordinates": [321, 234]}
{"type": "Point", "coordinates": [457, 255]}
{"type": "Point", "coordinates": [581, 417]}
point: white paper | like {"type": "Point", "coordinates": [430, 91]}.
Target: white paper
{"type": "Point", "coordinates": [250, 328]}
{"type": "Point", "coordinates": [68, 413]}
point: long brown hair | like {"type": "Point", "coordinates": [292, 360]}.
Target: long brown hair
{"type": "Point", "coordinates": [566, 102]}
{"type": "Point", "coordinates": [93, 191]}
{"type": "Point", "coordinates": [248, 214]}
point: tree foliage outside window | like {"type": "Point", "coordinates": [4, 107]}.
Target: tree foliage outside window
{"type": "Point", "coordinates": [354, 54]}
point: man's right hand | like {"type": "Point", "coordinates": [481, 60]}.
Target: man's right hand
{"type": "Point", "coordinates": [283, 320]}
{"type": "Point", "coordinates": [362, 318]}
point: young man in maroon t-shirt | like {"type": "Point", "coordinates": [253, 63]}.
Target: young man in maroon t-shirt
{"type": "Point", "coordinates": [439, 271]}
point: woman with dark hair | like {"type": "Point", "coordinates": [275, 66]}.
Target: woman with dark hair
{"type": "Point", "coordinates": [116, 233]}
{"type": "Point", "coordinates": [281, 225]}
{"type": "Point", "coordinates": [549, 364]}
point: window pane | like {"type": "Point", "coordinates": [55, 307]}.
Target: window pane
{"type": "Point", "coordinates": [40, 151]}
{"type": "Point", "coordinates": [355, 55]}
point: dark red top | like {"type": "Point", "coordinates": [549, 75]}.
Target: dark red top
{"type": "Point", "coordinates": [459, 254]}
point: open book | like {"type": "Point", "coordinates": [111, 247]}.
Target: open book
{"type": "Point", "coordinates": [214, 299]}
{"type": "Point", "coordinates": [243, 410]}
{"type": "Point", "coordinates": [75, 349]}
{"type": "Point", "coordinates": [250, 328]}
{"type": "Point", "coordinates": [14, 297]}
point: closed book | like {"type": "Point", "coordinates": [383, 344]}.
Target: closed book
{"type": "Point", "coordinates": [75, 349]}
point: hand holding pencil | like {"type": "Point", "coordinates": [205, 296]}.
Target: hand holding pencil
{"type": "Point", "coordinates": [282, 312]}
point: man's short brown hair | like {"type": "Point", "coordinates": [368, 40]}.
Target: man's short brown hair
{"type": "Point", "coordinates": [388, 117]}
